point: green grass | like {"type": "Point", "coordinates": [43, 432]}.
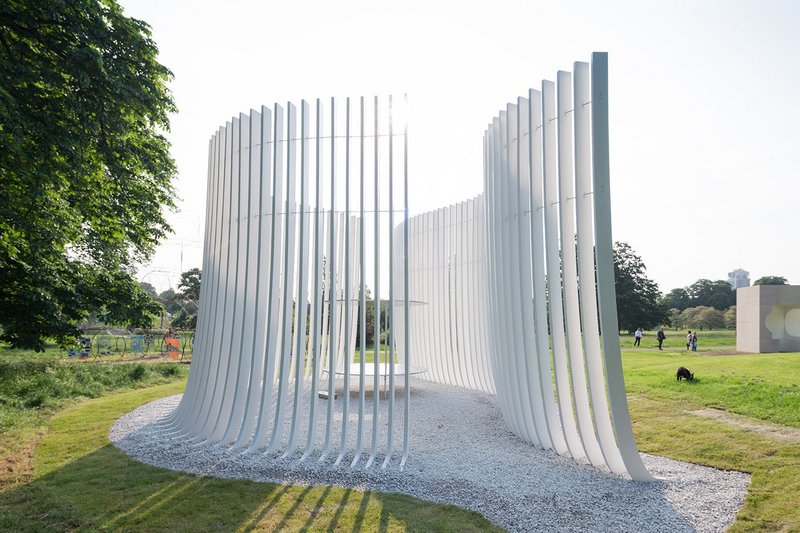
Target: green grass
{"type": "Point", "coordinates": [75, 479]}
{"type": "Point", "coordinates": [51, 353]}
{"type": "Point", "coordinates": [763, 387]}
{"type": "Point", "coordinates": [708, 340]}
{"type": "Point", "coordinates": [664, 428]}
{"type": "Point", "coordinates": [369, 354]}
{"type": "Point", "coordinates": [32, 390]}
{"type": "Point", "coordinates": [81, 481]}
{"type": "Point", "coordinates": [104, 348]}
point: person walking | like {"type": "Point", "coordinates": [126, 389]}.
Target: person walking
{"type": "Point", "coordinates": [660, 336]}
{"type": "Point", "coordinates": [638, 340]}
{"type": "Point", "coordinates": [689, 340]}
{"type": "Point", "coordinates": [694, 341]}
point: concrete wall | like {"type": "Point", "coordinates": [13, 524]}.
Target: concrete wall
{"type": "Point", "coordinates": [768, 318]}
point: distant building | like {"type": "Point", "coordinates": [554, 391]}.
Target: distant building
{"type": "Point", "coordinates": [739, 278]}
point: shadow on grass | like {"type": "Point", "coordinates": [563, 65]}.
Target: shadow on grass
{"type": "Point", "coordinates": [106, 490]}
{"type": "Point", "coordinates": [83, 482]}
{"type": "Point", "coordinates": [664, 427]}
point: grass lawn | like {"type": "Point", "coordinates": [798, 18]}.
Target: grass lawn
{"type": "Point", "coordinates": [765, 389]}
{"type": "Point", "coordinates": [763, 386]}
{"type": "Point", "coordinates": [65, 474]}
{"type": "Point", "coordinates": [105, 348]}
{"type": "Point", "coordinates": [707, 340]}
{"type": "Point", "coordinates": [32, 390]}
{"type": "Point", "coordinates": [60, 471]}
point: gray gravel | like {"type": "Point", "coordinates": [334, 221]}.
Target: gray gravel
{"type": "Point", "coordinates": [462, 453]}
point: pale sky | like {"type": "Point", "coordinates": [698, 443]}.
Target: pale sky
{"type": "Point", "coordinates": [705, 119]}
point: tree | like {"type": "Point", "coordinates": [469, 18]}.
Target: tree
{"type": "Point", "coordinates": [711, 318]}
{"type": "Point", "coordinates": [689, 317]}
{"type": "Point", "coordinates": [676, 318]}
{"type": "Point", "coordinates": [369, 310]}
{"type": "Point", "coordinates": [190, 285]}
{"type": "Point", "coordinates": [703, 317]}
{"type": "Point", "coordinates": [730, 317]}
{"type": "Point", "coordinates": [770, 280]}
{"type": "Point", "coordinates": [189, 299]}
{"type": "Point", "coordinates": [149, 289]}
{"type": "Point", "coordinates": [677, 299]}
{"type": "Point", "coordinates": [85, 172]}
{"type": "Point", "coordinates": [184, 320]}
{"type": "Point", "coordinates": [170, 300]}
{"type": "Point", "coordinates": [717, 294]}
{"type": "Point", "coordinates": [638, 298]}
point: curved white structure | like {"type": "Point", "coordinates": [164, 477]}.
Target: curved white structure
{"type": "Point", "coordinates": [510, 293]}
{"type": "Point", "coordinates": [520, 280]}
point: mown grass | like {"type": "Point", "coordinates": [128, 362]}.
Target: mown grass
{"type": "Point", "coordinates": [77, 480]}
{"type": "Point", "coordinates": [763, 387]}
{"type": "Point", "coordinates": [664, 428]}
{"type": "Point", "coordinates": [707, 340]}
{"type": "Point", "coordinates": [34, 386]}
{"type": "Point", "coordinates": [81, 481]}
{"type": "Point", "coordinates": [369, 354]}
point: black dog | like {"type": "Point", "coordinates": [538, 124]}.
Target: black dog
{"type": "Point", "coordinates": [683, 373]}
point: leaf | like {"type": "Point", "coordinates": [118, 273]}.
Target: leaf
{"type": "Point", "coordinates": [85, 172]}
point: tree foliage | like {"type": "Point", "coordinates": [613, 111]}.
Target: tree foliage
{"type": "Point", "coordinates": [85, 172]}
{"type": "Point", "coordinates": [717, 294]}
{"type": "Point", "coordinates": [730, 317]}
{"type": "Point", "coordinates": [638, 298]}
{"type": "Point", "coordinates": [702, 317]}
{"type": "Point", "coordinates": [369, 311]}
{"type": "Point", "coordinates": [676, 318]}
{"type": "Point", "coordinates": [770, 280]}
{"type": "Point", "coordinates": [169, 300]}
{"type": "Point", "coordinates": [702, 293]}
{"type": "Point", "coordinates": [189, 284]}
{"type": "Point", "coordinates": [149, 289]}
{"type": "Point", "coordinates": [188, 298]}
{"type": "Point", "coordinates": [677, 299]}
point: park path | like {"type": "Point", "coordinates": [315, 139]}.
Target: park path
{"type": "Point", "coordinates": [776, 431]}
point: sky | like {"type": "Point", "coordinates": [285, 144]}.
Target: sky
{"type": "Point", "coordinates": [704, 115]}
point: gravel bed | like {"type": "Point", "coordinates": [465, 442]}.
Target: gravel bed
{"type": "Point", "coordinates": [463, 454]}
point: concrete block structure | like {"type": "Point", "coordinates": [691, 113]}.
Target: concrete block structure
{"type": "Point", "coordinates": [768, 318]}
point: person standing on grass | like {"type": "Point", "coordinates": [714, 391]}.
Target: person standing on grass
{"type": "Point", "coordinates": [689, 340]}
{"type": "Point", "coordinates": [638, 340]}
{"type": "Point", "coordinates": [694, 341]}
{"type": "Point", "coordinates": [660, 336]}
